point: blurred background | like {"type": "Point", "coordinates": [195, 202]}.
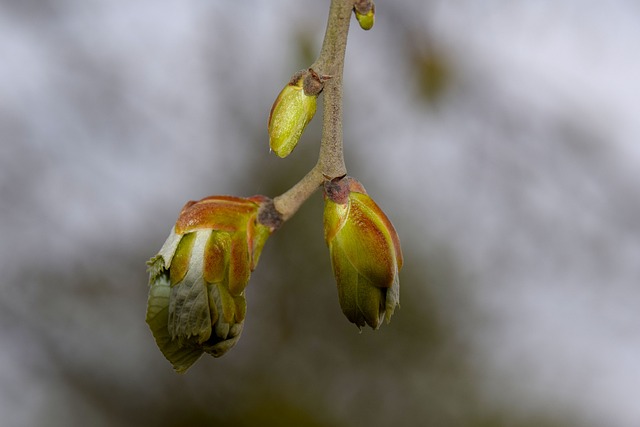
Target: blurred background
{"type": "Point", "coordinates": [500, 137]}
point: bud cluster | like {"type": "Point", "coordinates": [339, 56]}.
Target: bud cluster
{"type": "Point", "coordinates": [197, 280]}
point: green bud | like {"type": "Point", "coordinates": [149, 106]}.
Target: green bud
{"type": "Point", "coordinates": [365, 253]}
{"type": "Point", "coordinates": [292, 110]}
{"type": "Point", "coordinates": [365, 14]}
{"type": "Point", "coordinates": [196, 298]}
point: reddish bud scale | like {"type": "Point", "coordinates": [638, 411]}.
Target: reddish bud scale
{"type": "Point", "coordinates": [218, 212]}
{"type": "Point", "coordinates": [216, 257]}
{"type": "Point", "coordinates": [384, 224]}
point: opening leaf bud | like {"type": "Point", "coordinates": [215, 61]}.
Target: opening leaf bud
{"type": "Point", "coordinates": [365, 253]}
{"type": "Point", "coordinates": [196, 298]}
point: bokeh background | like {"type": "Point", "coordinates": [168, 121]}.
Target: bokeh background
{"type": "Point", "coordinates": [501, 137]}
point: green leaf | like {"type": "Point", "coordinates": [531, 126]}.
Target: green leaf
{"type": "Point", "coordinates": [360, 300]}
{"type": "Point", "coordinates": [180, 356]}
{"type": "Point", "coordinates": [189, 314]}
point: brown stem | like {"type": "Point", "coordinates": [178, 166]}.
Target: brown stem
{"type": "Point", "coordinates": [331, 158]}
{"type": "Point", "coordinates": [290, 201]}
{"type": "Point", "coordinates": [331, 63]}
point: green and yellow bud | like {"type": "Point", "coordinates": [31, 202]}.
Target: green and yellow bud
{"type": "Point", "coordinates": [365, 253]}
{"type": "Point", "coordinates": [197, 280]}
{"type": "Point", "coordinates": [365, 13]}
{"type": "Point", "coordinates": [292, 110]}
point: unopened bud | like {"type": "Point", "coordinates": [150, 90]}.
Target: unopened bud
{"type": "Point", "coordinates": [365, 13]}
{"type": "Point", "coordinates": [365, 253]}
{"type": "Point", "coordinates": [292, 110]}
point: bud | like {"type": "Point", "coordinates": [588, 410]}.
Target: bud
{"type": "Point", "coordinates": [292, 110]}
{"type": "Point", "coordinates": [197, 280]}
{"type": "Point", "coordinates": [365, 253]}
{"type": "Point", "coordinates": [365, 13]}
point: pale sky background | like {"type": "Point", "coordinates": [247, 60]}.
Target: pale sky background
{"type": "Point", "coordinates": [518, 180]}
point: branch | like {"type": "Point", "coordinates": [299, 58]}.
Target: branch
{"type": "Point", "coordinates": [331, 63]}
{"type": "Point", "coordinates": [288, 203]}
{"type": "Point", "coordinates": [331, 158]}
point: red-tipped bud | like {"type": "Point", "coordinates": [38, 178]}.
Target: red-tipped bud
{"type": "Point", "coordinates": [365, 253]}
